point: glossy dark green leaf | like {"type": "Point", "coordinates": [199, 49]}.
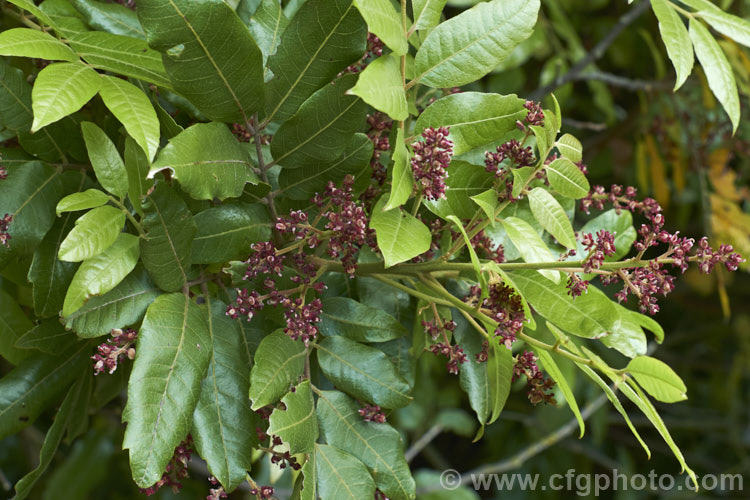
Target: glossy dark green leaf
{"type": "Point", "coordinates": [110, 17]}
{"type": "Point", "coordinates": [61, 89]}
{"type": "Point", "coordinates": [49, 337]}
{"type": "Point", "coordinates": [93, 233]}
{"type": "Point", "coordinates": [378, 446]}
{"type": "Point", "coordinates": [400, 235]}
{"type": "Point", "coordinates": [297, 424]}
{"type": "Point", "coordinates": [173, 352]}
{"type": "Point", "coordinates": [359, 322]}
{"type": "Point", "coordinates": [137, 165]}
{"type": "Point", "coordinates": [166, 249]}
{"type": "Point", "coordinates": [223, 415]}
{"type": "Point", "coordinates": [340, 475]}
{"type": "Point", "coordinates": [499, 374]}
{"type": "Point", "coordinates": [106, 160]}
{"type": "Point", "coordinates": [26, 42]}
{"type": "Point", "coordinates": [227, 231]}
{"type": "Point", "coordinates": [223, 80]}
{"type": "Point", "coordinates": [279, 362]}
{"type": "Point", "coordinates": [363, 372]}
{"type": "Point", "coordinates": [15, 98]}
{"type": "Point", "coordinates": [322, 128]}
{"type": "Point", "coordinates": [464, 181]}
{"type": "Point", "coordinates": [13, 325]}
{"type": "Point", "coordinates": [323, 38]}
{"type": "Point", "coordinates": [208, 161]}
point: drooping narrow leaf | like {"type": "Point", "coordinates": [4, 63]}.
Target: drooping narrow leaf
{"type": "Point", "coordinates": [472, 254]}
{"type": "Point", "coordinates": [676, 39]}
{"type": "Point", "coordinates": [223, 80]}
{"type": "Point", "coordinates": [357, 321]}
{"type": "Point", "coordinates": [402, 178]}
{"type": "Point", "coordinates": [499, 374]}
{"type": "Point", "coordinates": [84, 200]}
{"type": "Point", "coordinates": [223, 415]}
{"type": "Point", "coordinates": [567, 178]}
{"type": "Point", "coordinates": [473, 377]}
{"type": "Point", "coordinates": [530, 244]}
{"type": "Point", "coordinates": [62, 89]}
{"type": "Point", "coordinates": [385, 22]}
{"type": "Point", "coordinates": [26, 42]}
{"type": "Point", "coordinates": [134, 110]}
{"type": "Point", "coordinates": [227, 231]}
{"type": "Point", "coordinates": [106, 160]}
{"type": "Point", "coordinates": [658, 379]}
{"type": "Point", "coordinates": [208, 161]}
{"type": "Point", "coordinates": [297, 425]}
{"type": "Point", "coordinates": [554, 372]}
{"type": "Point", "coordinates": [471, 44]}
{"type": "Point", "coordinates": [551, 215]}
{"type": "Point", "coordinates": [400, 235]}
{"type": "Point", "coordinates": [102, 273]}
{"type": "Point", "coordinates": [13, 325]}
{"type": "Point", "coordinates": [173, 352]}
{"type": "Point", "coordinates": [340, 475]}
{"type": "Point", "coordinates": [167, 248]}
{"type": "Point", "coordinates": [136, 165]}
{"type": "Point", "coordinates": [93, 233]}
{"type": "Point", "coordinates": [380, 86]}
{"type": "Point", "coordinates": [323, 38]}
{"type": "Point", "coordinates": [279, 362]}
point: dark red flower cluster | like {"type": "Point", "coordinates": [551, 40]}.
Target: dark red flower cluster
{"type": "Point", "coordinates": [432, 156]}
{"type": "Point", "coordinates": [534, 115]}
{"type": "Point", "coordinates": [454, 353]}
{"type": "Point", "coordinates": [487, 248]}
{"type": "Point", "coordinates": [264, 492]}
{"type": "Point", "coordinates": [539, 387]}
{"type": "Point", "coordinates": [118, 347]}
{"type": "Point", "coordinates": [436, 327]}
{"type": "Point", "coordinates": [372, 413]}
{"type": "Point", "coordinates": [598, 248]}
{"type": "Point", "coordinates": [281, 459]}
{"type": "Point", "coordinates": [708, 258]}
{"type": "Point", "coordinates": [176, 468]}
{"type": "Point", "coordinates": [217, 491]}
{"type": "Point", "coordinates": [503, 305]}
{"type": "Point", "coordinates": [4, 225]}
{"type": "Point", "coordinates": [374, 49]}
{"type": "Point", "coordinates": [514, 152]}
{"type": "Point", "coordinates": [380, 125]}
{"type": "Point", "coordinates": [3, 172]}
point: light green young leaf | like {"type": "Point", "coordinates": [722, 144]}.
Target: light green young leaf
{"type": "Point", "coordinates": [499, 375]}
{"type": "Point", "coordinates": [380, 86]}
{"type": "Point", "coordinates": [471, 44]}
{"type": "Point", "coordinates": [658, 379]}
{"type": "Point", "coordinates": [102, 273]}
{"type": "Point", "coordinates": [278, 363]}
{"type": "Point", "coordinates": [208, 161]}
{"type": "Point", "coordinates": [551, 215]}
{"type": "Point", "coordinates": [134, 110]}
{"type": "Point", "coordinates": [719, 72]}
{"type": "Point", "coordinates": [472, 254]}
{"type": "Point", "coordinates": [297, 425]}
{"type": "Point", "coordinates": [93, 233]}
{"type": "Point", "coordinates": [173, 353]}
{"type": "Point", "coordinates": [91, 198]}
{"type": "Point", "coordinates": [530, 245]}
{"type": "Point", "coordinates": [385, 22]}
{"type": "Point", "coordinates": [551, 368]}
{"type": "Point", "coordinates": [26, 42]}
{"type": "Point", "coordinates": [427, 13]}
{"type": "Point", "coordinates": [649, 323]}
{"type": "Point", "coordinates": [626, 336]}
{"type": "Point", "coordinates": [473, 118]}
{"type": "Point", "coordinates": [487, 201]}
{"type": "Point", "coordinates": [736, 28]}
{"type": "Point", "coordinates": [106, 160]}
{"type": "Point", "coordinates": [521, 178]}
{"type": "Point", "coordinates": [359, 322]}
{"type": "Point", "coordinates": [570, 148]}
{"type": "Point", "coordinates": [567, 178]}
{"type": "Point", "coordinates": [676, 38]}
{"type": "Point", "coordinates": [363, 371]}
{"type": "Point", "coordinates": [62, 89]}
{"type": "Point", "coordinates": [402, 179]}
{"type": "Point", "coordinates": [341, 476]}
{"type": "Point", "coordinates": [542, 144]}
{"type": "Point", "coordinates": [400, 236]}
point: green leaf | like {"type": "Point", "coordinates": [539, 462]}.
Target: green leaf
{"type": "Point", "coordinates": [567, 179]}
{"type": "Point", "coordinates": [570, 148]}
{"type": "Point", "coordinates": [303, 183]}
{"type": "Point", "coordinates": [591, 315]}
{"type": "Point", "coordinates": [36, 384]}
{"type": "Point", "coordinates": [356, 321]}
{"type": "Point", "coordinates": [297, 425]}
{"type": "Point", "coordinates": [61, 89]}
{"type": "Point", "coordinates": [323, 38]}
{"type": "Point", "coordinates": [167, 248]}
{"type": "Point", "coordinates": [499, 375]}
{"type": "Point", "coordinates": [402, 180]}
{"type": "Point", "coordinates": [208, 161]}
{"type": "Point", "coordinates": [110, 17]}
{"type": "Point", "coordinates": [363, 372]}
{"type": "Point", "coordinates": [676, 39]}
{"type": "Point", "coordinates": [49, 337]}
{"type": "Point", "coordinates": [227, 231]}
{"type": "Point", "coordinates": [648, 322]}
{"type": "Point", "coordinates": [29, 6]}
{"type": "Point", "coordinates": [464, 181]}
{"type": "Point", "coordinates": [380, 86]}
{"type": "Point", "coordinates": [134, 110]}
{"type": "Point", "coordinates": [530, 245]}
{"type": "Point", "coordinates": [521, 178]}
{"type": "Point", "coordinates": [322, 128]}
{"type": "Point", "coordinates": [378, 446]}
{"type": "Point", "coordinates": [26, 42]}
{"type": "Point", "coordinates": [487, 201]}
{"type": "Point", "coordinates": [554, 372]}
{"type": "Point", "coordinates": [385, 22]}
{"type": "Point", "coordinates": [279, 362]}
{"type": "Point", "coordinates": [123, 306]}
{"type": "Point", "coordinates": [136, 165]}
{"type": "Point", "coordinates": [13, 325]}
{"type": "Point", "coordinates": [223, 415]}
{"type": "Point", "coordinates": [173, 354]}
{"type": "Point", "coordinates": [626, 336]}
{"type": "Point", "coordinates": [718, 71]}
{"type": "Point", "coordinates": [122, 55]}
{"type": "Point", "coordinates": [427, 13]}
{"type": "Point", "coordinates": [102, 273]}
{"type": "Point", "coordinates": [470, 45]}
{"type": "Point", "coordinates": [736, 28]}
{"type": "Point", "coordinates": [310, 479]}
{"type": "Point", "coordinates": [106, 160]}
{"type": "Point", "coordinates": [266, 25]}
{"type": "Point", "coordinates": [472, 254]}
{"type": "Point", "coordinates": [224, 81]}
{"type": "Point", "coordinates": [91, 198]}
{"type": "Point", "coordinates": [15, 99]}
{"type": "Point", "coordinates": [551, 215]}
{"type": "Point", "coordinates": [93, 233]}
{"type": "Point", "coordinates": [400, 236]}
{"type": "Point", "coordinates": [340, 475]}
{"type": "Point", "coordinates": [621, 225]}
{"type": "Point", "coordinates": [473, 118]}
{"type": "Point", "coordinates": [473, 377]}
{"type": "Point", "coordinates": [658, 379]}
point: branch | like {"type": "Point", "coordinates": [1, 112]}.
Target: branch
{"type": "Point", "coordinates": [624, 82]}
{"type": "Point", "coordinates": [597, 52]}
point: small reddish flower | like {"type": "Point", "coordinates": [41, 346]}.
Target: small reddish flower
{"type": "Point", "coordinates": [431, 158]}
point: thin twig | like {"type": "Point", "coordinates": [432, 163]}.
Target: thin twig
{"type": "Point", "coordinates": [624, 82]}
{"type": "Point", "coordinates": [423, 441]}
